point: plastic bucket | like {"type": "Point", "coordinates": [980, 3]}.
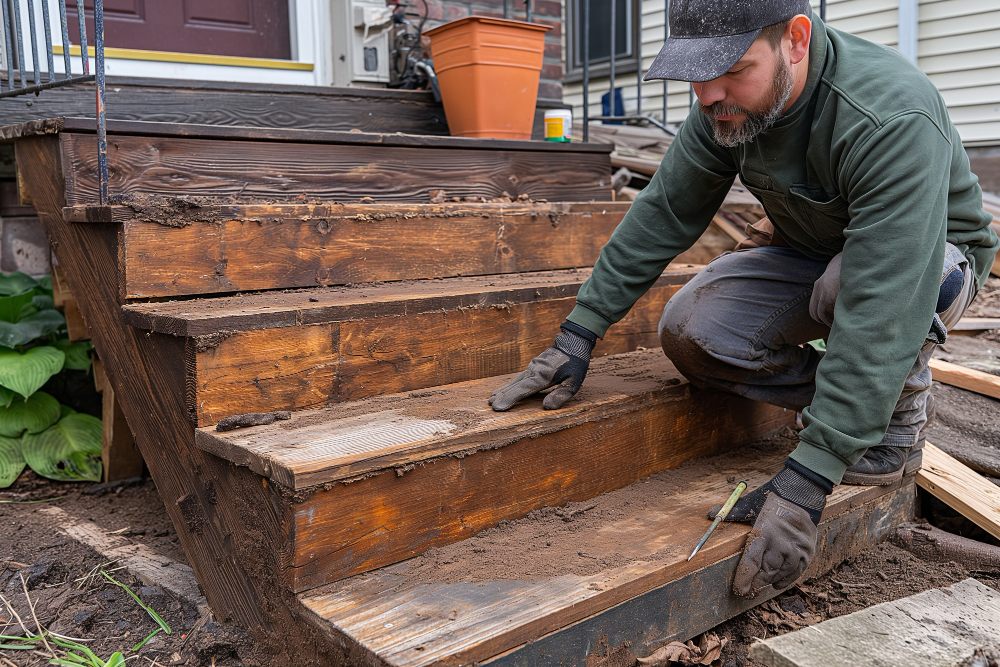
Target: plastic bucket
{"type": "Point", "coordinates": [488, 71]}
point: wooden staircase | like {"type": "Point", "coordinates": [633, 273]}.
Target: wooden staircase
{"type": "Point", "coordinates": [378, 288]}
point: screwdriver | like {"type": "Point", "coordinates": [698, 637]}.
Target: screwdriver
{"type": "Point", "coordinates": [740, 488]}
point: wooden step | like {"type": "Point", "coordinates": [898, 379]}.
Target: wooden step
{"type": "Point", "coordinates": [295, 350]}
{"type": "Point", "coordinates": [386, 478]}
{"type": "Point", "coordinates": [171, 247]}
{"type": "Point", "coordinates": [560, 588]}
{"type": "Point", "coordinates": [281, 165]}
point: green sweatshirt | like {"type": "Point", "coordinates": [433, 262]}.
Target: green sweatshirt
{"type": "Point", "coordinates": [866, 162]}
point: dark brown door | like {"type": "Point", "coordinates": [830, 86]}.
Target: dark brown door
{"type": "Point", "coordinates": [250, 28]}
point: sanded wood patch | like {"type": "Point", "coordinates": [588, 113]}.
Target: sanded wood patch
{"type": "Point", "coordinates": [257, 248]}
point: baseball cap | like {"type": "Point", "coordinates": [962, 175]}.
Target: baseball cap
{"type": "Point", "coordinates": [708, 37]}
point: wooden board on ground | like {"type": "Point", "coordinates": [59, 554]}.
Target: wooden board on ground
{"type": "Point", "coordinates": [977, 324]}
{"type": "Point", "coordinates": [962, 488]}
{"type": "Point", "coordinates": [119, 454]}
{"type": "Point", "coordinates": [966, 378]}
{"type": "Point", "coordinates": [936, 628]}
{"type": "Point", "coordinates": [211, 249]}
{"type": "Point", "coordinates": [625, 576]}
{"type": "Point", "coordinates": [293, 350]}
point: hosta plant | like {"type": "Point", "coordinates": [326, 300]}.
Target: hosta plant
{"type": "Point", "coordinates": [35, 429]}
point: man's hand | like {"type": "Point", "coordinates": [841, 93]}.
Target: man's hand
{"type": "Point", "coordinates": [564, 364]}
{"type": "Point", "coordinates": [784, 513]}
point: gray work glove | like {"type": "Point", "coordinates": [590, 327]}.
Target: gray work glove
{"type": "Point", "coordinates": [785, 513]}
{"type": "Point", "coordinates": [564, 364]}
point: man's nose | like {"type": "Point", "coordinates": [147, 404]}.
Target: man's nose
{"type": "Point", "coordinates": [710, 92]}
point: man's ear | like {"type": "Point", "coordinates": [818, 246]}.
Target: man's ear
{"type": "Point", "coordinates": [797, 33]}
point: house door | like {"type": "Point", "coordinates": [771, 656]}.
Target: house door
{"type": "Point", "coordinates": [248, 28]}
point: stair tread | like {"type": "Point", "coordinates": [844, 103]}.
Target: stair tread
{"type": "Point", "coordinates": [346, 440]}
{"type": "Point", "coordinates": [205, 316]}
{"type": "Point", "coordinates": [239, 132]}
{"type": "Point", "coordinates": [475, 599]}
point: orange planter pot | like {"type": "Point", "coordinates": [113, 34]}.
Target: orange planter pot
{"type": "Point", "coordinates": [488, 71]}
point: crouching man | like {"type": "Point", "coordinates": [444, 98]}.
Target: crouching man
{"type": "Point", "coordinates": [875, 240]}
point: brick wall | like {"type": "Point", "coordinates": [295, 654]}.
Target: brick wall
{"type": "Point", "coordinates": [547, 12]}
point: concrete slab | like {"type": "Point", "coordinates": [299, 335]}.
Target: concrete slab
{"type": "Point", "coordinates": [937, 628]}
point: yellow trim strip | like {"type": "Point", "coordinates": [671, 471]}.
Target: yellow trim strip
{"type": "Point", "coordinates": [194, 58]}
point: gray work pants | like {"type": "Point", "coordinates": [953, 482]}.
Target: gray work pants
{"type": "Point", "coordinates": [742, 324]}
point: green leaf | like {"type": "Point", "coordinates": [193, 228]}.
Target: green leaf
{"type": "Point", "coordinates": [148, 637]}
{"type": "Point", "coordinates": [65, 410]}
{"type": "Point", "coordinates": [43, 302]}
{"type": "Point", "coordinates": [26, 373]}
{"type": "Point", "coordinates": [116, 660]}
{"type": "Point", "coordinates": [45, 282]}
{"type": "Point", "coordinates": [149, 610]}
{"type": "Point", "coordinates": [11, 306]}
{"type": "Point", "coordinates": [7, 397]}
{"type": "Point", "coordinates": [11, 461]}
{"type": "Point", "coordinates": [77, 354]}
{"type": "Point", "coordinates": [34, 415]}
{"type": "Point", "coordinates": [16, 283]}
{"type": "Point", "coordinates": [68, 451]}
{"type": "Point", "coordinates": [31, 327]}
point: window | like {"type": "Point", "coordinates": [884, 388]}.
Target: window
{"type": "Point", "coordinates": [626, 36]}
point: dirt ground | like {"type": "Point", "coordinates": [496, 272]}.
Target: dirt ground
{"type": "Point", "coordinates": [70, 597]}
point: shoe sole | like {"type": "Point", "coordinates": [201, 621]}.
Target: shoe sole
{"type": "Point", "coordinates": [912, 465]}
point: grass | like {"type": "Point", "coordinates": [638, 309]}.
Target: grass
{"type": "Point", "coordinates": [76, 654]}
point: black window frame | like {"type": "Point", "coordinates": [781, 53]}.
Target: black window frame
{"type": "Point", "coordinates": [624, 64]}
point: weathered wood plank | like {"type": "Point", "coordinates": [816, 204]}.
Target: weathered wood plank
{"type": "Point", "coordinates": [228, 522]}
{"type": "Point", "coordinates": [350, 343]}
{"type": "Point", "coordinates": [962, 488]}
{"type": "Point", "coordinates": [966, 378]}
{"type": "Point", "coordinates": [272, 247]}
{"type": "Point", "coordinates": [403, 616]}
{"type": "Point", "coordinates": [119, 455]}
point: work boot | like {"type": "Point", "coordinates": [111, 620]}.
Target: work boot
{"type": "Point", "coordinates": [884, 464]}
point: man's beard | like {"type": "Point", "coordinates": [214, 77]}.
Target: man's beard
{"type": "Point", "coordinates": [729, 133]}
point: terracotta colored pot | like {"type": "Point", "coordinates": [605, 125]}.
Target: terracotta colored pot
{"type": "Point", "coordinates": [488, 71]}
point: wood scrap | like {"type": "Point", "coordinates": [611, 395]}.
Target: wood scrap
{"type": "Point", "coordinates": [966, 378]}
{"type": "Point", "coordinates": [977, 324]}
{"type": "Point", "coordinates": [961, 488]}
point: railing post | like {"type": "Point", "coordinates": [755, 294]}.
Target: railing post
{"type": "Point", "coordinates": [20, 44]}
{"type": "Point", "coordinates": [102, 133]}
{"type": "Point", "coordinates": [822, 10]}
{"type": "Point", "coordinates": [666, 34]}
{"type": "Point", "coordinates": [586, 69]}
{"type": "Point", "coordinates": [67, 63]}
{"type": "Point", "coordinates": [50, 57]}
{"type": "Point", "coordinates": [611, 95]}
{"type": "Point", "coordinates": [8, 47]}
{"type": "Point", "coordinates": [83, 36]}
{"type": "Point", "coordinates": [34, 43]}
{"type": "Point", "coordinates": [638, 64]}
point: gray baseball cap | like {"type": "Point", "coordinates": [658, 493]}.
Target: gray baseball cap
{"type": "Point", "coordinates": [708, 37]}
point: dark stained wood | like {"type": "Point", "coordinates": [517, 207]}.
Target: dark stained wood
{"type": "Point", "coordinates": [232, 549]}
{"type": "Point", "coordinates": [247, 104]}
{"type": "Point", "coordinates": [405, 618]}
{"type": "Point", "coordinates": [143, 128]}
{"type": "Point", "coordinates": [282, 171]}
{"type": "Point", "coordinates": [119, 454]}
{"type": "Point", "coordinates": [268, 247]}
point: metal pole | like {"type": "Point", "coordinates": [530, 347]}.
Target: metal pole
{"type": "Point", "coordinates": [8, 47]}
{"type": "Point", "coordinates": [20, 43]}
{"type": "Point", "coordinates": [613, 110]}
{"type": "Point", "coordinates": [34, 43]}
{"type": "Point", "coordinates": [822, 10]}
{"type": "Point", "coordinates": [65, 38]}
{"type": "Point", "coordinates": [102, 133]}
{"type": "Point", "coordinates": [638, 66]}
{"type": "Point", "coordinates": [506, 9]}
{"type": "Point", "coordinates": [83, 36]}
{"type": "Point", "coordinates": [527, 11]}
{"type": "Point", "coordinates": [666, 34]}
{"type": "Point", "coordinates": [586, 70]}
{"type": "Point", "coordinates": [50, 57]}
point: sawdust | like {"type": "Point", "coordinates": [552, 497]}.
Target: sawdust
{"type": "Point", "coordinates": [554, 541]}
{"type": "Point", "coordinates": [982, 354]}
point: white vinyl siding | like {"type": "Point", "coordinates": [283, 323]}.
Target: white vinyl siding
{"type": "Point", "coordinates": [958, 48]}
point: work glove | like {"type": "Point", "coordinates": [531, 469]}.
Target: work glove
{"type": "Point", "coordinates": [785, 513]}
{"type": "Point", "coordinates": [564, 364]}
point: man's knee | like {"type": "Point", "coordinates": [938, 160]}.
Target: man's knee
{"type": "Point", "coordinates": [683, 339]}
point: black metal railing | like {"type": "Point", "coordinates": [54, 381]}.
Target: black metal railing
{"type": "Point", "coordinates": [26, 82]}
{"type": "Point", "coordinates": [638, 117]}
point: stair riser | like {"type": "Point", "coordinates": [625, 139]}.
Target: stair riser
{"type": "Point", "coordinates": [384, 518]}
{"type": "Point", "coordinates": [287, 171]}
{"type": "Point", "coordinates": [341, 245]}
{"type": "Point", "coordinates": [292, 368]}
